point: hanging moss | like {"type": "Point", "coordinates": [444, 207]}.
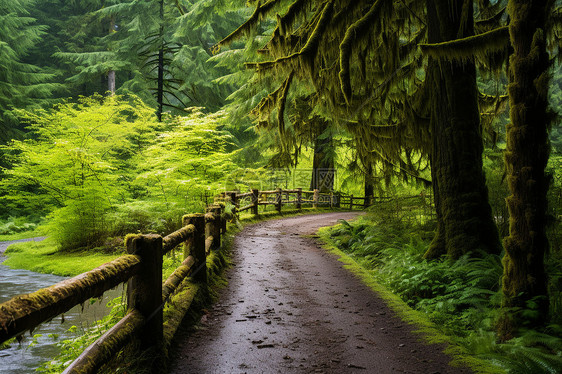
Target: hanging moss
{"type": "Point", "coordinates": [247, 26]}
{"type": "Point", "coordinates": [354, 32]}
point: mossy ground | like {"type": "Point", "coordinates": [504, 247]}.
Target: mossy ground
{"type": "Point", "coordinates": [43, 257]}
{"type": "Point", "coordinates": [23, 235]}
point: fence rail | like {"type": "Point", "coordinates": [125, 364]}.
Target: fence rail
{"type": "Point", "coordinates": [141, 268]}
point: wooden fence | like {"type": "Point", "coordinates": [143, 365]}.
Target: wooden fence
{"type": "Point", "coordinates": [141, 268]}
{"type": "Point", "coordinates": [299, 197]}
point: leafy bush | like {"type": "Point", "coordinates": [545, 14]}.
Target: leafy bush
{"type": "Point", "coordinates": [105, 167]}
{"type": "Point", "coordinates": [15, 225]}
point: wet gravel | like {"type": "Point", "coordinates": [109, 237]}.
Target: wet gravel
{"type": "Point", "coordinates": [291, 307]}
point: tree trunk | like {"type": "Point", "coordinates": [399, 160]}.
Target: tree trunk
{"type": "Point", "coordinates": [526, 155]}
{"type": "Point", "coordinates": [323, 172]}
{"type": "Point", "coordinates": [111, 82]}
{"type": "Point", "coordinates": [369, 185]}
{"type": "Point", "coordinates": [111, 73]}
{"type": "Point", "coordinates": [464, 216]}
{"type": "Point", "coordinates": [160, 88]}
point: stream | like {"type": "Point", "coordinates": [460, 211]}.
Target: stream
{"type": "Point", "coordinates": [28, 355]}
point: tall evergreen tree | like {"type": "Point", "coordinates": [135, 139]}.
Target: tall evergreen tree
{"type": "Point", "coordinates": [336, 46]}
{"type": "Point", "coordinates": [21, 84]}
{"type": "Point", "coordinates": [527, 152]}
{"type": "Point", "coordinates": [464, 216]}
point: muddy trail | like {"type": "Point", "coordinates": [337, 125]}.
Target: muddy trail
{"type": "Point", "coordinates": [291, 307]}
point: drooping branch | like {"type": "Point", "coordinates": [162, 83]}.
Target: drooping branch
{"type": "Point", "coordinates": [282, 102]}
{"type": "Point", "coordinates": [308, 52]}
{"type": "Point", "coordinates": [258, 14]}
{"type": "Point", "coordinates": [353, 32]}
{"type": "Point", "coordinates": [490, 23]}
{"type": "Point", "coordinates": [470, 47]}
{"type": "Point", "coordinates": [279, 97]}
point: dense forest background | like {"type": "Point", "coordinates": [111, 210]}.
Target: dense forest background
{"type": "Point", "coordinates": [119, 116]}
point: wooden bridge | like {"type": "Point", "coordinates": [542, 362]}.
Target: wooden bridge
{"type": "Point", "coordinates": [141, 268]}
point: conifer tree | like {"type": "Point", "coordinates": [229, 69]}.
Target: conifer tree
{"type": "Point", "coordinates": [156, 49]}
{"type": "Point", "coordinates": [21, 84]}
{"type": "Point", "coordinates": [527, 152]}
{"type": "Point", "coordinates": [364, 63]}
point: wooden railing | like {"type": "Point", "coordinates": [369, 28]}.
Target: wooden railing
{"type": "Point", "coordinates": [141, 268]}
{"type": "Point", "coordinates": [279, 197]}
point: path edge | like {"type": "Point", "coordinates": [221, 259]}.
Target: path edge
{"type": "Point", "coordinates": [423, 326]}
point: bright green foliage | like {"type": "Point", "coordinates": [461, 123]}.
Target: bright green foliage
{"type": "Point", "coordinates": [21, 84]}
{"type": "Point", "coordinates": [188, 160]}
{"type": "Point", "coordinates": [84, 338]}
{"type": "Point", "coordinates": [76, 162]}
{"type": "Point", "coordinates": [105, 165]}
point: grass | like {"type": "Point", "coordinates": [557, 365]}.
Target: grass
{"type": "Point", "coordinates": [22, 235]}
{"type": "Point", "coordinates": [43, 257]}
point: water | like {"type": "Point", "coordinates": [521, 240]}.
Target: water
{"type": "Point", "coordinates": [26, 357]}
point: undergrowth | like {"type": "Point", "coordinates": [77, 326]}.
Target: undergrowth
{"type": "Point", "coordinates": [462, 297]}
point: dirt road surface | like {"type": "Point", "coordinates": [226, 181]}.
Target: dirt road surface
{"type": "Point", "coordinates": [291, 307]}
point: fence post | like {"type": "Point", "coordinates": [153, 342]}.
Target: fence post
{"type": "Point", "coordinates": [331, 199]}
{"type": "Point", "coordinates": [144, 290]}
{"type": "Point", "coordinates": [279, 198]}
{"type": "Point", "coordinates": [299, 198]}
{"type": "Point", "coordinates": [234, 201]}
{"type": "Point", "coordinates": [351, 202]}
{"type": "Point", "coordinates": [213, 225]}
{"type": "Point", "coordinates": [338, 199]}
{"type": "Point", "coordinates": [197, 248]}
{"type": "Point", "coordinates": [315, 198]}
{"type": "Point", "coordinates": [255, 201]}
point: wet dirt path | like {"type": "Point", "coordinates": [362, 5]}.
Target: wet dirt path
{"type": "Point", "coordinates": [291, 307]}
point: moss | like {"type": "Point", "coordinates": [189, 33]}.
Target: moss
{"type": "Point", "coordinates": [527, 152]}
{"type": "Point", "coordinates": [27, 311]}
{"type": "Point", "coordinates": [245, 28]}
{"type": "Point", "coordinates": [177, 237]}
{"type": "Point", "coordinates": [357, 30]}
{"type": "Point", "coordinates": [109, 344]}
{"type": "Point", "coordinates": [470, 47]}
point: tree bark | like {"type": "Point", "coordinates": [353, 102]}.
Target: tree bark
{"type": "Point", "coordinates": [464, 216]}
{"type": "Point", "coordinates": [323, 172]}
{"type": "Point", "coordinates": [160, 87]}
{"type": "Point", "coordinates": [111, 73]}
{"type": "Point", "coordinates": [526, 156]}
{"type": "Point", "coordinates": [369, 185]}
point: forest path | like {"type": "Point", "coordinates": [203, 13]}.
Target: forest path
{"type": "Point", "coordinates": [291, 307]}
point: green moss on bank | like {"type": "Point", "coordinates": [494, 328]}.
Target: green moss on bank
{"type": "Point", "coordinates": [424, 327]}
{"type": "Point", "coordinates": [43, 257]}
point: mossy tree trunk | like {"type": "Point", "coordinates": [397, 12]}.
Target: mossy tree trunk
{"type": "Point", "coordinates": [323, 172]}
{"type": "Point", "coordinates": [369, 185]}
{"type": "Point", "coordinates": [526, 155]}
{"type": "Point", "coordinates": [464, 215]}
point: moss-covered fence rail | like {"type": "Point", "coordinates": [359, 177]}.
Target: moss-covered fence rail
{"type": "Point", "coordinates": [141, 267]}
